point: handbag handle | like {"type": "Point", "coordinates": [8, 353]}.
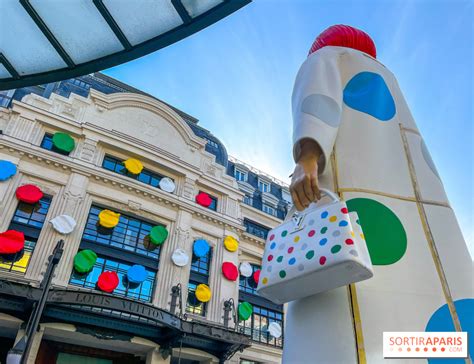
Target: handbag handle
{"type": "Point", "coordinates": [325, 191]}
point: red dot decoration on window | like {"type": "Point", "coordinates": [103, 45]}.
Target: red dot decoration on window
{"type": "Point", "coordinates": [256, 275]}
{"type": "Point", "coordinates": [203, 199]}
{"type": "Point", "coordinates": [11, 242]}
{"type": "Point", "coordinates": [230, 271]}
{"type": "Point", "coordinates": [29, 193]}
{"type": "Point", "coordinates": [108, 281]}
{"type": "Point", "coordinates": [344, 210]}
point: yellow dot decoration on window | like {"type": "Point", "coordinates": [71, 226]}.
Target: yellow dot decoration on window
{"type": "Point", "coordinates": [108, 219]}
{"type": "Point", "coordinates": [231, 244]}
{"type": "Point", "coordinates": [203, 293]}
{"type": "Point", "coordinates": [133, 165]}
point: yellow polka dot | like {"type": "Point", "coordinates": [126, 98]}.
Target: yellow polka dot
{"type": "Point", "coordinates": [296, 239]}
{"type": "Point", "coordinates": [333, 218]}
{"type": "Point", "coordinates": [265, 280]}
{"type": "Point", "coordinates": [362, 236]}
{"type": "Point", "coordinates": [352, 233]}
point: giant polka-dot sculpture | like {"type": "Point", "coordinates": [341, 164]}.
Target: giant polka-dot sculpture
{"type": "Point", "coordinates": [244, 311]}
{"type": "Point", "coordinates": [134, 166]}
{"type": "Point", "coordinates": [383, 231]}
{"type": "Point", "coordinates": [203, 199]}
{"type": "Point", "coordinates": [11, 242]}
{"type": "Point", "coordinates": [229, 270]}
{"type": "Point", "coordinates": [29, 193]}
{"type": "Point", "coordinates": [136, 274]}
{"type": "Point", "coordinates": [180, 257]}
{"type": "Point", "coordinates": [275, 330]}
{"type": "Point", "coordinates": [368, 93]}
{"type": "Point", "coordinates": [167, 185]}
{"type": "Point", "coordinates": [323, 108]}
{"type": "Point", "coordinates": [108, 281]}
{"type": "Point", "coordinates": [108, 219]}
{"type": "Point", "coordinates": [200, 248]}
{"type": "Point", "coordinates": [203, 293]}
{"type": "Point", "coordinates": [84, 261]}
{"type": "Point", "coordinates": [63, 224]}
{"type": "Point", "coordinates": [245, 269]}
{"type": "Point", "coordinates": [231, 243]}
{"type": "Point", "coordinates": [427, 157]}
{"type": "Point", "coordinates": [158, 235]}
{"type": "Point", "coordinates": [7, 170]}
{"type": "Point", "coordinates": [63, 142]}
{"type": "Point", "coordinates": [441, 321]}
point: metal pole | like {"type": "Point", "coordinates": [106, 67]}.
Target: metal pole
{"type": "Point", "coordinates": [38, 310]}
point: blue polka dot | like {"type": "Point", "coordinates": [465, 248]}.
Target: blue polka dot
{"type": "Point", "coordinates": [343, 223]}
{"type": "Point", "coordinates": [367, 92]}
{"type": "Point", "coordinates": [273, 246]}
{"type": "Point", "coordinates": [441, 321]}
{"type": "Point", "coordinates": [292, 261]}
{"type": "Point", "coordinates": [200, 248]}
{"type": "Point", "coordinates": [323, 241]}
{"type": "Point", "coordinates": [7, 169]}
{"type": "Point", "coordinates": [324, 214]}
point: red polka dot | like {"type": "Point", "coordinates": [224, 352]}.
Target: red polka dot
{"type": "Point", "coordinates": [344, 210]}
{"type": "Point", "coordinates": [417, 349]}
{"type": "Point", "coordinates": [425, 349]}
{"type": "Point", "coordinates": [270, 258]}
{"type": "Point", "coordinates": [443, 349]}
{"type": "Point", "coordinates": [408, 349]}
{"type": "Point", "coordinates": [349, 241]}
{"type": "Point", "coordinates": [434, 349]}
{"type": "Point", "coordinates": [322, 260]}
{"type": "Point", "coordinates": [272, 237]}
{"type": "Point", "coordinates": [311, 233]}
{"type": "Point", "coordinates": [290, 249]}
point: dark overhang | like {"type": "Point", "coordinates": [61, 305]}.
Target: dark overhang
{"type": "Point", "coordinates": [114, 315]}
{"type": "Point", "coordinates": [47, 41]}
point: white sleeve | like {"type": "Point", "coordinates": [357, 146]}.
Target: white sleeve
{"type": "Point", "coordinates": [317, 102]}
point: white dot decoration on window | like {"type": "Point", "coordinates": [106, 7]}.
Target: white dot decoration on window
{"type": "Point", "coordinates": [167, 185]}
{"type": "Point", "coordinates": [245, 269]}
{"type": "Point", "coordinates": [180, 257]}
{"type": "Point", "coordinates": [274, 329]}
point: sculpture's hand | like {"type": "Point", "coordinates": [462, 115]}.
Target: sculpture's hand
{"type": "Point", "coordinates": [304, 186]}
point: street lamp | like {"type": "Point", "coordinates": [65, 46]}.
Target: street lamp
{"type": "Point", "coordinates": [19, 353]}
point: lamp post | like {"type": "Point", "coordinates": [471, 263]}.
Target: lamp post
{"type": "Point", "coordinates": [19, 353]}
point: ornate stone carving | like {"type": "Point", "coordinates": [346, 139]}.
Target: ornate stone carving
{"type": "Point", "coordinates": [188, 189]}
{"type": "Point", "coordinates": [89, 149]}
{"type": "Point", "coordinates": [134, 206]}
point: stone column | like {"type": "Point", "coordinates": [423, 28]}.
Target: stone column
{"type": "Point", "coordinates": [154, 357]}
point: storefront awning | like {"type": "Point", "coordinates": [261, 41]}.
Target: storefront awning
{"type": "Point", "coordinates": [44, 41]}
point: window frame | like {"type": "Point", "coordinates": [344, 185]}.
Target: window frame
{"type": "Point", "coordinates": [261, 184]}
{"type": "Point", "coordinates": [195, 278]}
{"type": "Point", "coordinates": [241, 173]}
{"type": "Point", "coordinates": [270, 210]}
{"type": "Point", "coordinates": [47, 144]}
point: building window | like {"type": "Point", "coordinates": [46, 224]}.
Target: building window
{"type": "Point", "coordinates": [199, 274]}
{"type": "Point", "coordinates": [263, 186]}
{"type": "Point", "coordinates": [264, 312]}
{"type": "Point", "coordinates": [212, 143]}
{"type": "Point", "coordinates": [117, 250]}
{"type": "Point", "coordinates": [213, 205]}
{"type": "Point", "coordinates": [256, 229]}
{"type": "Point", "coordinates": [240, 175]}
{"type": "Point", "coordinates": [47, 143]}
{"type": "Point", "coordinates": [269, 209]}
{"type": "Point", "coordinates": [146, 176]}
{"type": "Point", "coordinates": [29, 219]}
{"type": "Point", "coordinates": [248, 200]}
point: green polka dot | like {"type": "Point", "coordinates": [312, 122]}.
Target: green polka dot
{"type": "Point", "coordinates": [323, 230]}
{"type": "Point", "coordinates": [384, 233]}
{"type": "Point", "coordinates": [158, 235]}
{"type": "Point", "coordinates": [282, 274]}
{"type": "Point", "coordinates": [310, 254]}
{"type": "Point", "coordinates": [280, 259]}
{"type": "Point", "coordinates": [63, 142]}
{"type": "Point", "coordinates": [284, 233]}
{"type": "Point", "coordinates": [335, 249]}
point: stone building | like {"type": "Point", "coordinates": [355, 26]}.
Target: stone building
{"type": "Point", "coordinates": [161, 321]}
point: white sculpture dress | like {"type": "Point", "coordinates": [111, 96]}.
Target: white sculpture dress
{"type": "Point", "coordinates": [375, 157]}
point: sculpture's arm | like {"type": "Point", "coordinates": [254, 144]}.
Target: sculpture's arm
{"type": "Point", "coordinates": [316, 103]}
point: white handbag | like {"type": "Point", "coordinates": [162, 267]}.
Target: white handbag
{"type": "Point", "coordinates": [319, 249]}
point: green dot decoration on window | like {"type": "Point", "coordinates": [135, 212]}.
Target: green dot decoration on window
{"type": "Point", "coordinates": [245, 310]}
{"type": "Point", "coordinates": [158, 235]}
{"type": "Point", "coordinates": [384, 233]}
{"type": "Point", "coordinates": [64, 142]}
{"type": "Point", "coordinates": [84, 261]}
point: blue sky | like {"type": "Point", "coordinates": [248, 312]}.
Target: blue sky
{"type": "Point", "coordinates": [236, 77]}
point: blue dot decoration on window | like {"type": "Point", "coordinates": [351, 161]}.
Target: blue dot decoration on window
{"type": "Point", "coordinates": [136, 274]}
{"type": "Point", "coordinates": [7, 170]}
{"type": "Point", "coordinates": [367, 92]}
{"type": "Point", "coordinates": [441, 321]}
{"type": "Point", "coordinates": [200, 248]}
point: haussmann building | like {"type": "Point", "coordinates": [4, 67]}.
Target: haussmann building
{"type": "Point", "coordinates": [163, 231]}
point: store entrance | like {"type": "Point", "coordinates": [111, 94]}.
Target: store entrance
{"type": "Point", "coordinates": [52, 352]}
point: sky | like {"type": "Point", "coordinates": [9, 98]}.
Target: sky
{"type": "Point", "coordinates": [237, 75]}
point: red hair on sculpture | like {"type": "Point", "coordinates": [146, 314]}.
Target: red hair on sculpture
{"type": "Point", "coordinates": [345, 36]}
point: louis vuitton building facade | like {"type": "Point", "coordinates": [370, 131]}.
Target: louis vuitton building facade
{"type": "Point", "coordinates": [163, 231]}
